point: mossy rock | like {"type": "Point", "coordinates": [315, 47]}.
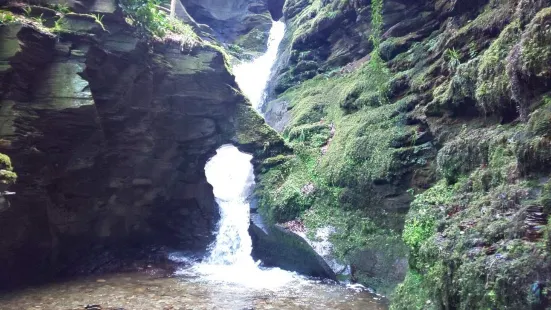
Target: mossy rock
{"type": "Point", "coordinates": [540, 121]}
{"type": "Point", "coordinates": [253, 135]}
{"type": "Point", "coordinates": [458, 95]}
{"type": "Point", "coordinates": [254, 40]}
{"type": "Point", "coordinates": [275, 161]}
{"type": "Point", "coordinates": [534, 143]}
{"type": "Point", "coordinates": [312, 134]}
{"type": "Point", "coordinates": [493, 86]}
{"type": "Point", "coordinates": [7, 177]}
{"type": "Point", "coordinates": [462, 155]}
{"type": "Point", "coordinates": [5, 162]}
{"type": "Point", "coordinates": [304, 66]}
{"type": "Point", "coordinates": [535, 52]}
{"type": "Point", "coordinates": [534, 156]}
{"type": "Point", "coordinates": [454, 247]}
{"type": "Point", "coordinates": [278, 247]}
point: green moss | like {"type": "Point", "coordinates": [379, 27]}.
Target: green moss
{"type": "Point", "coordinates": [6, 17]}
{"type": "Point", "coordinates": [411, 294]}
{"type": "Point", "coordinates": [5, 162]}
{"type": "Point", "coordinates": [275, 161]}
{"type": "Point", "coordinates": [535, 53]}
{"type": "Point", "coordinates": [352, 236]}
{"type": "Point", "coordinates": [316, 135]}
{"type": "Point", "coordinates": [254, 40]}
{"type": "Point", "coordinates": [532, 149]}
{"type": "Point", "coordinates": [290, 188]}
{"type": "Point", "coordinates": [342, 150]}
{"type": "Point", "coordinates": [253, 134]}
{"type": "Point", "coordinates": [421, 221]}
{"type": "Point", "coordinates": [470, 246]}
{"type": "Point", "coordinates": [491, 152]}
{"type": "Point", "coordinates": [453, 263]}
{"type": "Point", "coordinates": [462, 155]}
{"type": "Point", "coordinates": [7, 177]}
{"type": "Point", "coordinates": [460, 91]}
{"type": "Point", "coordinates": [361, 149]}
{"type": "Point", "coordinates": [493, 89]}
{"type": "Point", "coordinates": [540, 120]}
{"type": "Point", "coordinates": [534, 156]}
{"type": "Point", "coordinates": [494, 15]}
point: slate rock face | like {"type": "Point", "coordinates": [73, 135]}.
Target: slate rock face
{"type": "Point", "coordinates": [109, 134]}
{"type": "Point", "coordinates": [245, 23]}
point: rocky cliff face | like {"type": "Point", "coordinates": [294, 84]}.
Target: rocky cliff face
{"type": "Point", "coordinates": [109, 131]}
{"type": "Point", "coordinates": [243, 24]}
{"type": "Point", "coordinates": [437, 154]}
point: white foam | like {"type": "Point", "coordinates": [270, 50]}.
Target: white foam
{"type": "Point", "coordinates": [230, 172]}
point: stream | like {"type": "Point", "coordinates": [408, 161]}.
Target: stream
{"type": "Point", "coordinates": [228, 277]}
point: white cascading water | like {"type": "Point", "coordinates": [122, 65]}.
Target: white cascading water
{"type": "Point", "coordinates": [230, 172]}
{"type": "Point", "coordinates": [253, 76]}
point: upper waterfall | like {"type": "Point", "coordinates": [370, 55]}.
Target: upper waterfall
{"type": "Point", "coordinates": [253, 76]}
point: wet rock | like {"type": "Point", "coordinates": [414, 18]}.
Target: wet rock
{"type": "Point", "coordinates": [242, 22]}
{"type": "Point", "coordinates": [276, 246]}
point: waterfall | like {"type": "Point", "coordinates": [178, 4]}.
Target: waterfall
{"type": "Point", "coordinates": [230, 172]}
{"type": "Point", "coordinates": [252, 77]}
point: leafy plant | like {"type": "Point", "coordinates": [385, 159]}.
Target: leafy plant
{"type": "Point", "coordinates": [98, 19]}
{"type": "Point", "coordinates": [147, 15]}
{"type": "Point", "coordinates": [6, 17]}
{"type": "Point", "coordinates": [62, 8]}
{"type": "Point", "coordinates": [331, 14]}
{"type": "Point", "coordinates": [28, 10]}
{"type": "Point", "coordinates": [39, 19]}
{"type": "Point", "coordinates": [59, 25]}
{"type": "Point", "coordinates": [453, 57]}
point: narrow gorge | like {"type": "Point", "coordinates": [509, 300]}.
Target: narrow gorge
{"type": "Point", "coordinates": [275, 154]}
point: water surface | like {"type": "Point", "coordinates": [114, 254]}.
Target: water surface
{"type": "Point", "coordinates": [140, 291]}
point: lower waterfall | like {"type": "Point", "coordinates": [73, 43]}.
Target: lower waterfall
{"type": "Point", "coordinates": [230, 172]}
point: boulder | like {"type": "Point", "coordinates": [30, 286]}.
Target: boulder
{"type": "Point", "coordinates": [276, 246]}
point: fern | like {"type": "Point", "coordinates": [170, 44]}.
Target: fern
{"type": "Point", "coordinates": [453, 57]}
{"type": "Point", "coordinates": [98, 19]}
{"type": "Point", "coordinates": [59, 25]}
